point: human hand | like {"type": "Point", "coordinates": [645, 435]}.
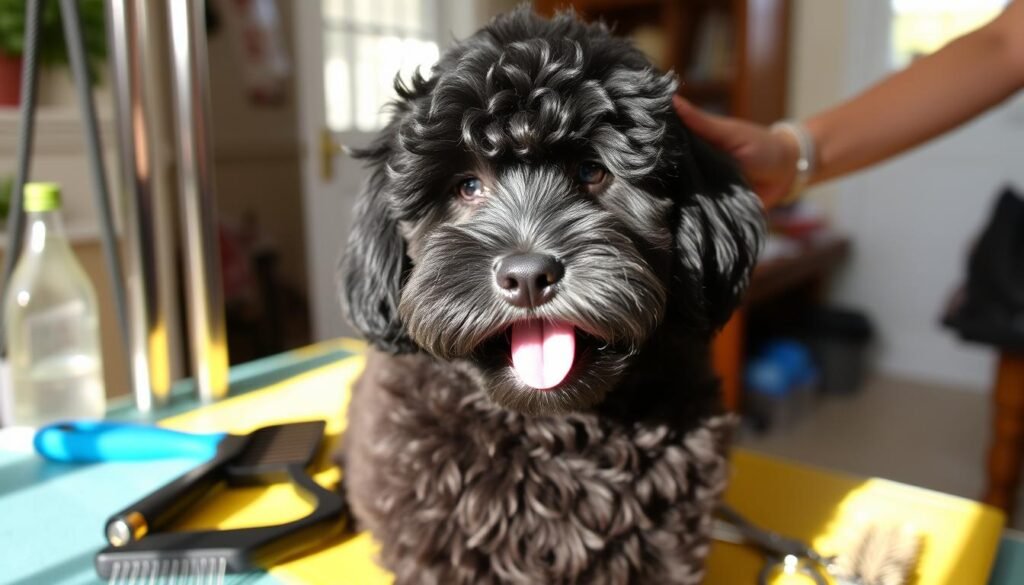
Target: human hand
{"type": "Point", "coordinates": [767, 159]}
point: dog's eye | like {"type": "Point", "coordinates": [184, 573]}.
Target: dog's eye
{"type": "Point", "coordinates": [591, 173]}
{"type": "Point", "coordinates": [471, 189]}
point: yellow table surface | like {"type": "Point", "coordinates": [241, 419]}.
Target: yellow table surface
{"type": "Point", "coordinates": [960, 536]}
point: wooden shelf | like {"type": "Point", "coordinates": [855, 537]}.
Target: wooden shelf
{"type": "Point", "coordinates": [607, 5]}
{"type": "Point", "coordinates": [758, 43]}
{"type": "Point", "coordinates": [707, 90]}
{"type": "Point", "coordinates": [778, 275]}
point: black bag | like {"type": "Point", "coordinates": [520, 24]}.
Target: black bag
{"type": "Point", "coordinates": [989, 308]}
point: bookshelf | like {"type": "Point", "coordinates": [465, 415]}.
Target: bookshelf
{"type": "Point", "coordinates": [731, 55]}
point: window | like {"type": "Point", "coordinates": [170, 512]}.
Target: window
{"type": "Point", "coordinates": [366, 42]}
{"type": "Point", "coordinates": [920, 27]}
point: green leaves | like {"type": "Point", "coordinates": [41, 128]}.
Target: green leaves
{"type": "Point", "coordinates": [52, 50]}
{"type": "Point", "coordinates": [6, 186]}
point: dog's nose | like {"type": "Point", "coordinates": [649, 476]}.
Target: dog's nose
{"type": "Point", "coordinates": [528, 279]}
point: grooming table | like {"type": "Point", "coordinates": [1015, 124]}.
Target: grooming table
{"type": "Point", "coordinates": [52, 515]}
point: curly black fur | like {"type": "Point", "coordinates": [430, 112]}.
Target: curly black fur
{"type": "Point", "coordinates": [461, 471]}
{"type": "Point", "coordinates": [458, 491]}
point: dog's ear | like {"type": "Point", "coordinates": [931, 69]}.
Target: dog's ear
{"type": "Point", "coordinates": [720, 230]}
{"type": "Point", "coordinates": [374, 262]}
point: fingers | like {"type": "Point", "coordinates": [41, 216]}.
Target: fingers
{"type": "Point", "coordinates": [714, 129]}
{"type": "Point", "coordinates": [762, 156]}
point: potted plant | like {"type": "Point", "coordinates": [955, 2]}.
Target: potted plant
{"type": "Point", "coordinates": [6, 186]}
{"type": "Point", "coordinates": [51, 42]}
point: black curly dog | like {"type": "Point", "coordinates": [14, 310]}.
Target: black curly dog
{"type": "Point", "coordinates": [540, 259]}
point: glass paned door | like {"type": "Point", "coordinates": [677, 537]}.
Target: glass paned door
{"type": "Point", "coordinates": [366, 42]}
{"type": "Point", "coordinates": [348, 53]}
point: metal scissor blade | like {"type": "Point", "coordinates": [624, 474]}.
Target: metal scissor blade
{"type": "Point", "coordinates": [782, 554]}
{"type": "Point", "coordinates": [724, 532]}
{"type": "Point", "coordinates": [767, 540]}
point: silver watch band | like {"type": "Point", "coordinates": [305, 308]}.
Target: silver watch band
{"type": "Point", "coordinates": [806, 159]}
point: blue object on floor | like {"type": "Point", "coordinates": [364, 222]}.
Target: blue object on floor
{"type": "Point", "coordinates": [779, 367]}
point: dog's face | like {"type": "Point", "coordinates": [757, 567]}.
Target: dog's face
{"type": "Point", "coordinates": [537, 209]}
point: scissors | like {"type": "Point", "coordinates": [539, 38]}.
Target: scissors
{"type": "Point", "coordinates": [783, 555]}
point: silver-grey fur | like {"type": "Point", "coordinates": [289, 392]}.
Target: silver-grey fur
{"type": "Point", "coordinates": [463, 473]}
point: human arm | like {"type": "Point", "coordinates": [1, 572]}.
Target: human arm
{"type": "Point", "coordinates": [933, 95]}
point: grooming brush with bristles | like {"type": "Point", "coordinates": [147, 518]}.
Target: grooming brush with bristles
{"type": "Point", "coordinates": [140, 552]}
{"type": "Point", "coordinates": [879, 554]}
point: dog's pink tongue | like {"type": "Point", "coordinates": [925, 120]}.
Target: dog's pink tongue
{"type": "Point", "coordinates": [542, 352]}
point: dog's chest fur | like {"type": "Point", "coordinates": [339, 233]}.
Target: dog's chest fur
{"type": "Point", "coordinates": [467, 492]}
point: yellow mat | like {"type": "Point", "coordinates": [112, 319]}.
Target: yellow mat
{"type": "Point", "coordinates": [960, 536]}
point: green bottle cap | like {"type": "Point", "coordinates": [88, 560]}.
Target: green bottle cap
{"type": "Point", "coordinates": [42, 197]}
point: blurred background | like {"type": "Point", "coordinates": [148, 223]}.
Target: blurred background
{"type": "Point", "coordinates": [838, 357]}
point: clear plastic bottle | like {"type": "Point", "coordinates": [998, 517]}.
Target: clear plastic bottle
{"type": "Point", "coordinates": [52, 322]}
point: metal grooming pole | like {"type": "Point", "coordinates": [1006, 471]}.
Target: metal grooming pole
{"type": "Point", "coordinates": [195, 174]}
{"type": "Point", "coordinates": [26, 134]}
{"type": "Point", "coordinates": [100, 188]}
{"type": "Point", "coordinates": [132, 40]}
{"type": "Point", "coordinates": [146, 232]}
{"type": "Point", "coordinates": [15, 214]}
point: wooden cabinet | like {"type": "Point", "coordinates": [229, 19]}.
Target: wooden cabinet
{"type": "Point", "coordinates": [731, 55]}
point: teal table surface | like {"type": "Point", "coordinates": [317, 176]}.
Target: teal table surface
{"type": "Point", "coordinates": [52, 514]}
{"type": "Point", "coordinates": [1009, 568]}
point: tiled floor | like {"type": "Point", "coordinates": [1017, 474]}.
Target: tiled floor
{"type": "Point", "coordinates": [905, 431]}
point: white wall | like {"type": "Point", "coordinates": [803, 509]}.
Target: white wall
{"type": "Point", "coordinates": [462, 18]}
{"type": "Point", "coordinates": [912, 219]}
{"type": "Point", "coordinates": [256, 150]}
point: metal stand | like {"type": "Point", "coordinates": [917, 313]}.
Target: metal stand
{"type": "Point", "coordinates": [146, 232]}
{"type": "Point", "coordinates": [26, 132]}
{"type": "Point", "coordinates": [195, 173]}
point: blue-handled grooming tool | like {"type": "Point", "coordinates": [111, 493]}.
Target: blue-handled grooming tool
{"type": "Point", "coordinates": [95, 441]}
{"type": "Point", "coordinates": [279, 453]}
{"type": "Point", "coordinates": [239, 457]}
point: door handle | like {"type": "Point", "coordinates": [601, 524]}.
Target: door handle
{"type": "Point", "coordinates": [329, 148]}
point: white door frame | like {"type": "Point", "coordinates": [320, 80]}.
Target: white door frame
{"type": "Point", "coordinates": [327, 203]}
{"type": "Point", "coordinates": [312, 119]}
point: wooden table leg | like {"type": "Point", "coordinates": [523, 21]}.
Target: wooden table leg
{"type": "Point", "coordinates": [1005, 452]}
{"type": "Point", "coordinates": [727, 357]}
